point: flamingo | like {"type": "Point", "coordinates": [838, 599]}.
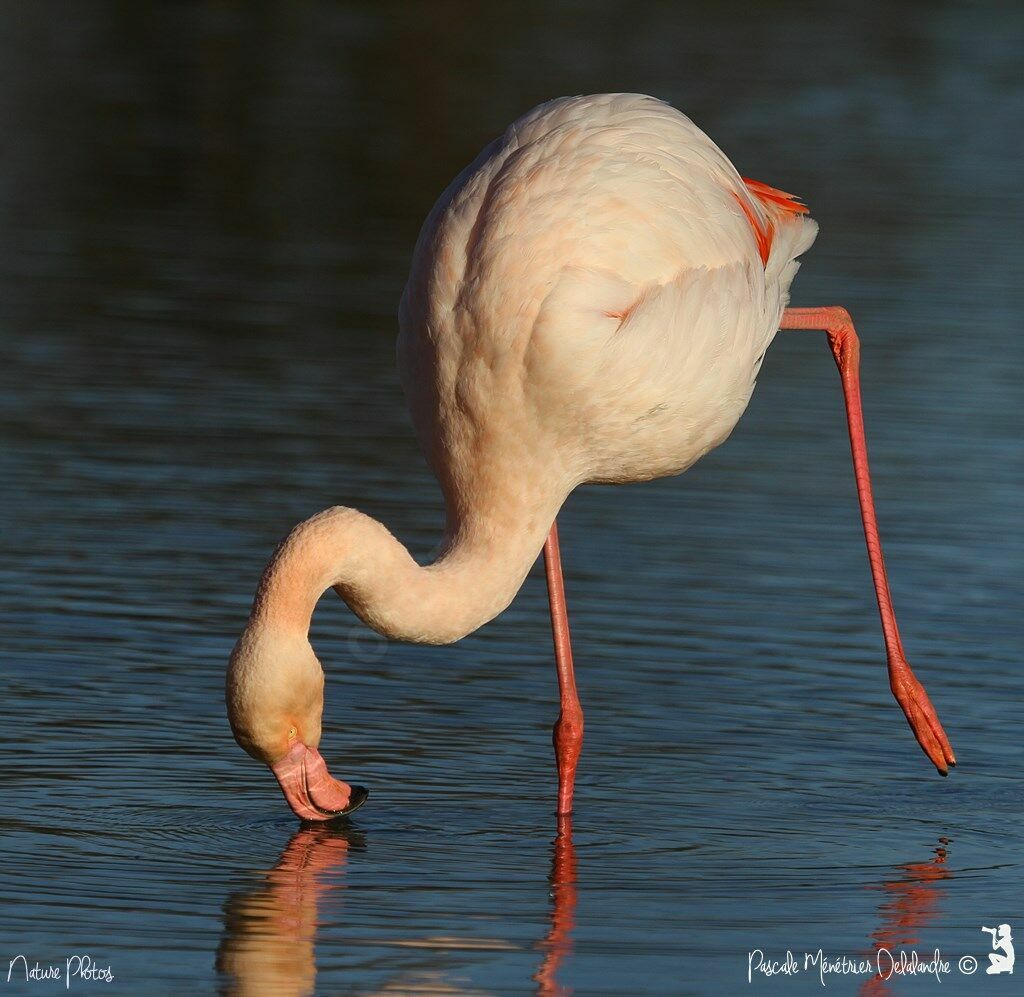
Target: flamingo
{"type": "Point", "coordinates": [590, 300]}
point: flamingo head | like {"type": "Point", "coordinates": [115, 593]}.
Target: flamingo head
{"type": "Point", "coordinates": [275, 700]}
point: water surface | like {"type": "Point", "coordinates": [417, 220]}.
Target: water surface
{"type": "Point", "coordinates": [206, 222]}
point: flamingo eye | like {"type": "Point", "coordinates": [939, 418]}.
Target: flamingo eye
{"type": "Point", "coordinates": [292, 732]}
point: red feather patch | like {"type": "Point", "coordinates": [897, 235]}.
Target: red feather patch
{"type": "Point", "coordinates": [768, 196]}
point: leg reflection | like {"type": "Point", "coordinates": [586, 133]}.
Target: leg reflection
{"type": "Point", "coordinates": [270, 931]}
{"type": "Point", "coordinates": [557, 944]}
{"type": "Point", "coordinates": [911, 901]}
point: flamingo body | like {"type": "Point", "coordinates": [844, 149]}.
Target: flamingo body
{"type": "Point", "coordinates": [589, 300]}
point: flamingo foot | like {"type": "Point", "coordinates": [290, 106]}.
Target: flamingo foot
{"type": "Point", "coordinates": [921, 715]}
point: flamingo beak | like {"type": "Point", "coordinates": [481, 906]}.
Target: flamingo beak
{"type": "Point", "coordinates": [311, 791]}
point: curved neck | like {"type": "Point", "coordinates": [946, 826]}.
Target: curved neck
{"type": "Point", "coordinates": [482, 566]}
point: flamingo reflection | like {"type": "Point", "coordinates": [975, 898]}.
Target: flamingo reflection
{"type": "Point", "coordinates": [268, 945]}
{"type": "Point", "coordinates": [269, 938]}
{"type": "Point", "coordinates": [558, 942]}
{"type": "Point", "coordinates": [912, 900]}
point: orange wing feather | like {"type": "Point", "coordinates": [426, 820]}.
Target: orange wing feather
{"type": "Point", "coordinates": [769, 196]}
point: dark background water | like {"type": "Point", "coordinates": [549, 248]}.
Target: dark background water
{"type": "Point", "coordinates": [207, 213]}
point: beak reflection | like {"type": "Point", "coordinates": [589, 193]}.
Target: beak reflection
{"type": "Point", "coordinates": [268, 946]}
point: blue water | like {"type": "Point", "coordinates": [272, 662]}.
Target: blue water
{"type": "Point", "coordinates": [207, 218]}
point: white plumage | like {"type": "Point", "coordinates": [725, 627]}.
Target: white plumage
{"type": "Point", "coordinates": [590, 287]}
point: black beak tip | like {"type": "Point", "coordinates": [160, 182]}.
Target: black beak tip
{"type": "Point", "coordinates": [360, 794]}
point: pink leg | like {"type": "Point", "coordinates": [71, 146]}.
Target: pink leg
{"type": "Point", "coordinates": [568, 732]}
{"type": "Point", "coordinates": [909, 693]}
